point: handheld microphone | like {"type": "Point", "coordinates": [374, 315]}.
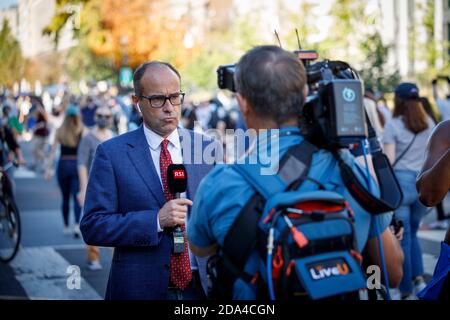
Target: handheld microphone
{"type": "Point", "coordinates": [177, 179]}
{"type": "Point", "coordinates": [177, 182]}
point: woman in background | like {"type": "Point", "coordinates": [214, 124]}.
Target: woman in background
{"type": "Point", "coordinates": [68, 137]}
{"type": "Point", "coordinates": [405, 139]}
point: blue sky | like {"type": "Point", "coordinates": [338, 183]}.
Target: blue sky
{"type": "Point", "coordinates": [7, 3]}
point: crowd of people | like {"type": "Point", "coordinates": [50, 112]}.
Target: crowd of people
{"type": "Point", "coordinates": [107, 200]}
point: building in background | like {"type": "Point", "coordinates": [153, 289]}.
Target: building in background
{"type": "Point", "coordinates": [27, 19]}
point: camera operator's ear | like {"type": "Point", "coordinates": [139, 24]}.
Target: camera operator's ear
{"type": "Point", "coordinates": [243, 104]}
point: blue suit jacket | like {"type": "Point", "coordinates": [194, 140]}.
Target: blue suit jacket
{"type": "Point", "coordinates": [123, 197]}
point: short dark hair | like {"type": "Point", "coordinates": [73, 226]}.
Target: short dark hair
{"type": "Point", "coordinates": [272, 80]}
{"type": "Point", "coordinates": [140, 71]}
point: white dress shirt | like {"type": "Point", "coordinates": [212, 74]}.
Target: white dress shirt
{"type": "Point", "coordinates": [154, 141]}
{"type": "Point", "coordinates": [174, 147]}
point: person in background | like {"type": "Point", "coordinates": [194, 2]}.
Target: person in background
{"type": "Point", "coordinates": [12, 121]}
{"type": "Point", "coordinates": [68, 137]}
{"type": "Point", "coordinates": [428, 109]}
{"type": "Point", "coordinates": [405, 137]}
{"type": "Point", "coordinates": [383, 108]}
{"type": "Point", "coordinates": [188, 116]}
{"type": "Point", "coordinates": [375, 116]}
{"type": "Point", "coordinates": [9, 149]}
{"type": "Point", "coordinates": [442, 104]}
{"type": "Point", "coordinates": [88, 111]}
{"type": "Point", "coordinates": [86, 150]}
{"type": "Point", "coordinates": [135, 119]}
{"type": "Point", "coordinates": [432, 184]}
{"type": "Point", "coordinates": [40, 136]}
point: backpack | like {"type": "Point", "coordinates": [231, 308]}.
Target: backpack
{"type": "Point", "coordinates": [305, 239]}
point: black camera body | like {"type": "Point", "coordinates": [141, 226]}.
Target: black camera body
{"type": "Point", "coordinates": [333, 115]}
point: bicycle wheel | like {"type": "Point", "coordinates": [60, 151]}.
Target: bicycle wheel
{"type": "Point", "coordinates": [9, 230]}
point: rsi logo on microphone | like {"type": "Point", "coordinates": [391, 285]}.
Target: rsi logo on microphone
{"type": "Point", "coordinates": [179, 174]}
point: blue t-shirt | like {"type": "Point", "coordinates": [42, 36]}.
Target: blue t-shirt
{"type": "Point", "coordinates": [224, 192]}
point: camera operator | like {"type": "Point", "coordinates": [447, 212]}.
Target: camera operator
{"type": "Point", "coordinates": [272, 86]}
{"type": "Point", "coordinates": [433, 183]}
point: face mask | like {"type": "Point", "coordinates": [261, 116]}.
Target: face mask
{"type": "Point", "coordinates": [102, 123]}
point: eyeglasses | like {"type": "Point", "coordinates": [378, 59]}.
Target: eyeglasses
{"type": "Point", "coordinates": [105, 116]}
{"type": "Point", "coordinates": [157, 101]}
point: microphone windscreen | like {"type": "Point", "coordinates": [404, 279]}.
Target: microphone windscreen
{"type": "Point", "coordinates": [177, 178]}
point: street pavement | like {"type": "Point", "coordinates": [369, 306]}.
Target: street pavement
{"type": "Point", "coordinates": [48, 259]}
{"type": "Point", "coordinates": [41, 268]}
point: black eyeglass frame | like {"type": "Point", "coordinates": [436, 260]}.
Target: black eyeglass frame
{"type": "Point", "coordinates": [169, 97]}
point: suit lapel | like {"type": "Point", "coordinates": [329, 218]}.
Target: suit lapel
{"type": "Point", "coordinates": [139, 154]}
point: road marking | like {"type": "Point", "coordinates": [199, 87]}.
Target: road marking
{"type": "Point", "coordinates": [42, 273]}
{"type": "Point", "coordinates": [432, 235]}
{"type": "Point", "coordinates": [24, 173]}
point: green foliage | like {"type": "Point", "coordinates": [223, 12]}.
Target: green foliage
{"type": "Point", "coordinates": [431, 52]}
{"type": "Point", "coordinates": [12, 63]}
{"type": "Point", "coordinates": [302, 20]}
{"type": "Point", "coordinates": [374, 70]}
{"type": "Point", "coordinates": [83, 64]}
{"type": "Point", "coordinates": [225, 47]}
{"type": "Point", "coordinates": [64, 11]}
{"type": "Point", "coordinates": [349, 18]}
{"type": "Point", "coordinates": [200, 72]}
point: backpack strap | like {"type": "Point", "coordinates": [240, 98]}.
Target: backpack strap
{"type": "Point", "coordinates": [243, 235]}
{"type": "Point", "coordinates": [294, 167]}
{"type": "Point", "coordinates": [405, 151]}
{"type": "Point", "coordinates": [391, 193]}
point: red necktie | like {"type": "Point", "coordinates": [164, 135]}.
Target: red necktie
{"type": "Point", "coordinates": [180, 269]}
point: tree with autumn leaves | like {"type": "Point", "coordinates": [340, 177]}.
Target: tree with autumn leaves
{"type": "Point", "coordinates": [114, 33]}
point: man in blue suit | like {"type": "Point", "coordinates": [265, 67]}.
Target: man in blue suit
{"type": "Point", "coordinates": [128, 205]}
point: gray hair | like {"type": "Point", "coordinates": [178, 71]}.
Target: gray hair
{"type": "Point", "coordinates": [272, 80]}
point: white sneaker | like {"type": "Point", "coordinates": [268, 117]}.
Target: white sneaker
{"type": "Point", "coordinates": [94, 265]}
{"type": "Point", "coordinates": [419, 285]}
{"type": "Point", "coordinates": [76, 231]}
{"type": "Point", "coordinates": [66, 230]}
{"type": "Point", "coordinates": [395, 294]}
{"type": "Point", "coordinates": [439, 225]}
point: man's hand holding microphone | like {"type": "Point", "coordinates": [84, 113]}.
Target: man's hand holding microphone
{"type": "Point", "coordinates": [173, 213]}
